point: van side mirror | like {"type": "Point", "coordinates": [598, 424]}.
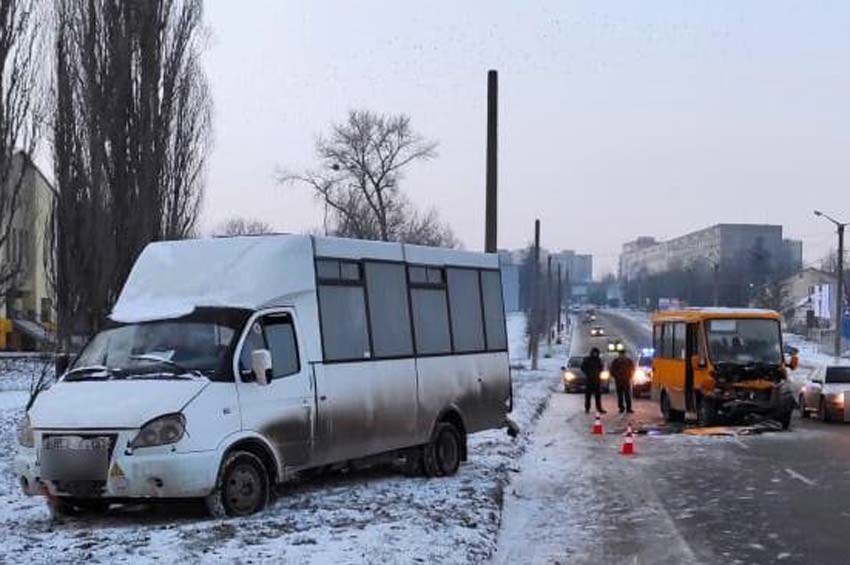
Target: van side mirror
{"type": "Point", "coordinates": [794, 362]}
{"type": "Point", "coordinates": [261, 366]}
{"type": "Point", "coordinates": [60, 363]}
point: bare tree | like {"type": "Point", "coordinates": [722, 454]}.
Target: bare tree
{"type": "Point", "coordinates": [358, 180]}
{"type": "Point", "coordinates": [242, 226]}
{"type": "Point", "coordinates": [131, 122]}
{"type": "Point", "coordinates": [20, 119]}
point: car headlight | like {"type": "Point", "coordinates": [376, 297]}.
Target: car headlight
{"type": "Point", "coordinates": [605, 375]}
{"type": "Point", "coordinates": [641, 377]}
{"type": "Point", "coordinates": [25, 435]}
{"type": "Point", "coordinates": [164, 430]}
{"type": "Point", "coordinates": [569, 375]}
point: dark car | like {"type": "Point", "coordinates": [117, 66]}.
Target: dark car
{"type": "Point", "coordinates": [575, 380]}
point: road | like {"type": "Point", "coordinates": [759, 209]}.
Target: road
{"type": "Point", "coordinates": [773, 498]}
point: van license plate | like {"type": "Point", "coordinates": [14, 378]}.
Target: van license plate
{"type": "Point", "coordinates": [71, 458]}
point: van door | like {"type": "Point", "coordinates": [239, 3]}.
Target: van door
{"type": "Point", "coordinates": [284, 410]}
{"type": "Point", "coordinates": [690, 351]}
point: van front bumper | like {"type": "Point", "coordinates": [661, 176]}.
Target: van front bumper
{"type": "Point", "coordinates": [159, 474]}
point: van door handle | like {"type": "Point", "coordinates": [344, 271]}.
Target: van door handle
{"type": "Point", "coordinates": [323, 398]}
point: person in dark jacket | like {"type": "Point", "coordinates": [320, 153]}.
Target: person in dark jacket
{"type": "Point", "coordinates": [592, 368]}
{"type": "Point", "coordinates": [623, 369]}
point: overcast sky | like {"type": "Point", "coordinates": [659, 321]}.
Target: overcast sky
{"type": "Point", "coordinates": [616, 120]}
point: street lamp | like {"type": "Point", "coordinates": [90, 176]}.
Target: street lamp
{"type": "Point", "coordinates": [839, 303]}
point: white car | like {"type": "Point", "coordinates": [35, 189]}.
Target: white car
{"type": "Point", "coordinates": [825, 394]}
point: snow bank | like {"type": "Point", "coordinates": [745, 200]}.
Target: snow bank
{"type": "Point", "coordinates": [374, 516]}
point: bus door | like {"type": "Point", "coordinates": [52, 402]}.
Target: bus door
{"type": "Point", "coordinates": [691, 347]}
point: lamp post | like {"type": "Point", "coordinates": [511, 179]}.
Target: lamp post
{"type": "Point", "coordinates": [839, 303]}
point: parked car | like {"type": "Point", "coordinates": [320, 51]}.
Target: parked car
{"type": "Point", "coordinates": [574, 379]}
{"type": "Point", "coordinates": [597, 331]}
{"type": "Point", "coordinates": [230, 364]}
{"type": "Point", "coordinates": [825, 393]}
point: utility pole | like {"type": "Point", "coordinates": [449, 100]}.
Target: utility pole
{"type": "Point", "coordinates": [534, 337]}
{"type": "Point", "coordinates": [560, 298]}
{"type": "Point", "coordinates": [491, 209]}
{"type": "Point", "coordinates": [548, 311]}
{"type": "Point", "coordinates": [840, 294]}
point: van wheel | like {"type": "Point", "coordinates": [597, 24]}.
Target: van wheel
{"type": "Point", "coordinates": [441, 457]}
{"type": "Point", "coordinates": [242, 487]}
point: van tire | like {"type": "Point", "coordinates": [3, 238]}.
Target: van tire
{"type": "Point", "coordinates": [242, 487]}
{"type": "Point", "coordinates": [448, 449]}
{"type": "Point", "coordinates": [442, 455]}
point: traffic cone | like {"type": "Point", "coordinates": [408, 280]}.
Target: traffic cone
{"type": "Point", "coordinates": [629, 442]}
{"type": "Point", "coordinates": [597, 426]}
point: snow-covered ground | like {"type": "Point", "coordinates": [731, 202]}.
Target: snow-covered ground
{"type": "Point", "coordinates": [374, 516]}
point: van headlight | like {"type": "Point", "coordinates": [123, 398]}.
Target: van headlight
{"type": "Point", "coordinates": [164, 430]}
{"type": "Point", "coordinates": [25, 435]}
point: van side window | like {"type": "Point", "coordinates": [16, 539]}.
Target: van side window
{"type": "Point", "coordinates": [280, 335]}
{"type": "Point", "coordinates": [342, 310]}
{"type": "Point", "coordinates": [494, 310]}
{"type": "Point", "coordinates": [656, 339]}
{"type": "Point", "coordinates": [389, 314]}
{"type": "Point", "coordinates": [430, 311]}
{"type": "Point", "coordinates": [465, 304]}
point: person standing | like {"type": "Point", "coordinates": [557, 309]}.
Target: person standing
{"type": "Point", "coordinates": [623, 369]}
{"type": "Point", "coordinates": [592, 368]}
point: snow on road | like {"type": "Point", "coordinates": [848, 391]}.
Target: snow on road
{"type": "Point", "coordinates": [373, 516]}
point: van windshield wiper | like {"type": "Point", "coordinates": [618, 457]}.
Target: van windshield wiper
{"type": "Point", "coordinates": [164, 361]}
{"type": "Point", "coordinates": [88, 370]}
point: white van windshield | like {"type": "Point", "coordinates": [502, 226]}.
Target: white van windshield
{"type": "Point", "coordinates": [198, 344]}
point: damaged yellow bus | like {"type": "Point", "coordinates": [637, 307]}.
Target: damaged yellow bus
{"type": "Point", "coordinates": [721, 364]}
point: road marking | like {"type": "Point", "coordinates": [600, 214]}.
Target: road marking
{"type": "Point", "coordinates": [795, 475]}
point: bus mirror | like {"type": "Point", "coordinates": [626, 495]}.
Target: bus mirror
{"type": "Point", "coordinates": [792, 364]}
{"type": "Point", "coordinates": [261, 363]}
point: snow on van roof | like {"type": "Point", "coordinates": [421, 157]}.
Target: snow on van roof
{"type": "Point", "coordinates": [172, 278]}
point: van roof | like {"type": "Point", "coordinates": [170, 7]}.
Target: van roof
{"type": "Point", "coordinates": [172, 278]}
{"type": "Point", "coordinates": [697, 314]}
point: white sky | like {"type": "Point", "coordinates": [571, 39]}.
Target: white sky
{"type": "Point", "coordinates": [616, 120]}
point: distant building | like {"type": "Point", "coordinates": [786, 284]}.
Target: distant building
{"type": "Point", "coordinates": [577, 270]}
{"type": "Point", "coordinates": [811, 298]}
{"type": "Point", "coordinates": [27, 314]}
{"type": "Point", "coordinates": [725, 247]}
{"type": "Point", "coordinates": [576, 267]}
